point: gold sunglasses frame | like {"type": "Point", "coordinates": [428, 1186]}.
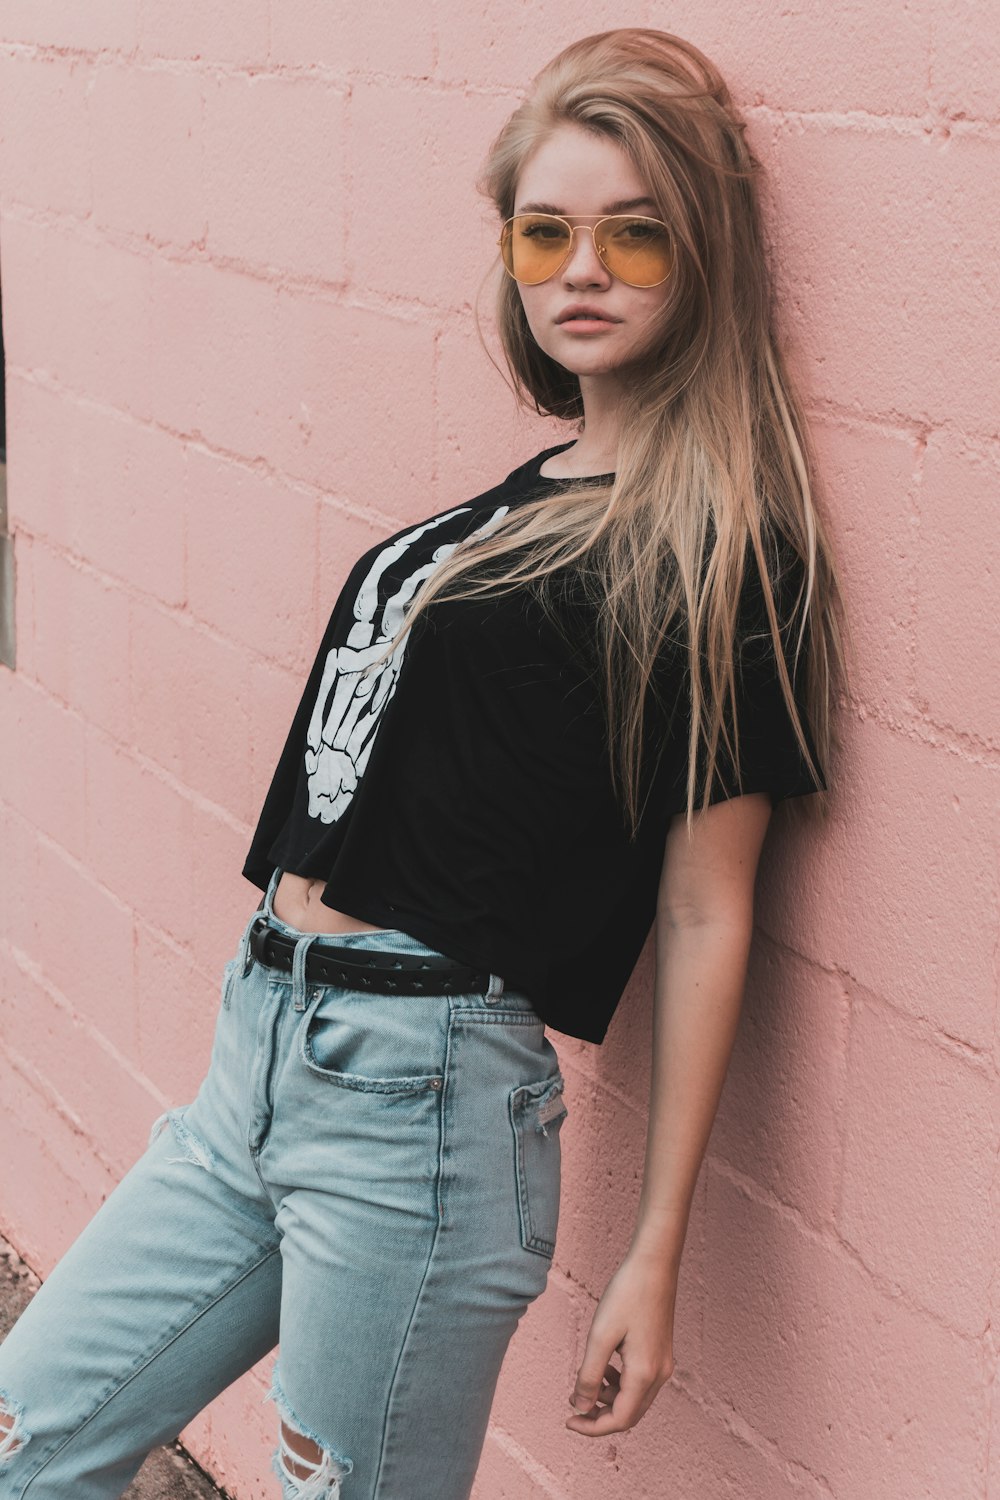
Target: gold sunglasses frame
{"type": "Point", "coordinates": [593, 228]}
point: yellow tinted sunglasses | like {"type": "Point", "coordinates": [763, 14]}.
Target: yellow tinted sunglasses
{"type": "Point", "coordinates": [632, 247]}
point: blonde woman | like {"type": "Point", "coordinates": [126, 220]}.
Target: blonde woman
{"type": "Point", "coordinates": [539, 722]}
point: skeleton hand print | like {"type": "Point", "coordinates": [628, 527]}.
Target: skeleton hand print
{"type": "Point", "coordinates": [350, 701]}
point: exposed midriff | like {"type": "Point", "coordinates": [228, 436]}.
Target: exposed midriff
{"type": "Point", "coordinates": [297, 902]}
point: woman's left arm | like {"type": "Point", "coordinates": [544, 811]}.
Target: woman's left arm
{"type": "Point", "coordinates": [704, 923]}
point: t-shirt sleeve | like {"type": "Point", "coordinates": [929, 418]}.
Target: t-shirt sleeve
{"type": "Point", "coordinates": [770, 759]}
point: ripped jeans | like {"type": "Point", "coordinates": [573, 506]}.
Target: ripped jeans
{"type": "Point", "coordinates": [370, 1182]}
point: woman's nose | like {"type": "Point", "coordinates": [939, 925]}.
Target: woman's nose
{"type": "Point", "coordinates": [583, 263]}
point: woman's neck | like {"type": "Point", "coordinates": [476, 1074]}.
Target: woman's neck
{"type": "Point", "coordinates": [596, 449]}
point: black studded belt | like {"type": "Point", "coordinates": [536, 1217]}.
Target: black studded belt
{"type": "Point", "coordinates": [367, 968]}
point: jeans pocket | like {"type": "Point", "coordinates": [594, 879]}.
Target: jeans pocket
{"type": "Point", "coordinates": [353, 1042]}
{"type": "Point", "coordinates": [537, 1111]}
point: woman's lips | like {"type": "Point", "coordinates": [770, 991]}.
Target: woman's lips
{"type": "Point", "coordinates": [586, 325]}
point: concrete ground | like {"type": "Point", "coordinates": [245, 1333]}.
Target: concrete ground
{"type": "Point", "coordinates": [168, 1473]}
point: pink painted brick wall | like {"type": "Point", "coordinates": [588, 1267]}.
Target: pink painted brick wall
{"type": "Point", "coordinates": [240, 348]}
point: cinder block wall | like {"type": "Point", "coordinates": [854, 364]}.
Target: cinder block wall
{"type": "Point", "coordinates": [239, 251]}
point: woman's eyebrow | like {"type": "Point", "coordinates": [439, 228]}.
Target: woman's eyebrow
{"type": "Point", "coordinates": [623, 206]}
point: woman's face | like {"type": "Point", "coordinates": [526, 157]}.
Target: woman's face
{"type": "Point", "coordinates": [575, 173]}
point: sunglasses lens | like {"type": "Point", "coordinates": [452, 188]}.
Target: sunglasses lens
{"type": "Point", "coordinates": [636, 250]}
{"type": "Point", "coordinates": [534, 246]}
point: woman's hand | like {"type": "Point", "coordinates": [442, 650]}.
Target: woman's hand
{"type": "Point", "coordinates": [635, 1317]}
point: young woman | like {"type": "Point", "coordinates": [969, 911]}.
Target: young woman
{"type": "Point", "coordinates": [538, 722]}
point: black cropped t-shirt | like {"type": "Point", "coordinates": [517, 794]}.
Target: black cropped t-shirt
{"type": "Point", "coordinates": [462, 793]}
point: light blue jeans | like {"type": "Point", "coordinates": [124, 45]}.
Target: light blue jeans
{"type": "Point", "coordinates": [370, 1182]}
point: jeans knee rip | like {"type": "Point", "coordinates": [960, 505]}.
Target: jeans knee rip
{"type": "Point", "coordinates": [14, 1436]}
{"type": "Point", "coordinates": [323, 1480]}
{"type": "Point", "coordinates": [195, 1151]}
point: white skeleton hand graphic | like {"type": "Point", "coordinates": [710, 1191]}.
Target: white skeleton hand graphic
{"type": "Point", "coordinates": [350, 702]}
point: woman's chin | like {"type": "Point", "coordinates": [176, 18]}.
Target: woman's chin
{"type": "Point", "coordinates": [583, 366]}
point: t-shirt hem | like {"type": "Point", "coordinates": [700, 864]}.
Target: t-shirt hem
{"type": "Point", "coordinates": [255, 875]}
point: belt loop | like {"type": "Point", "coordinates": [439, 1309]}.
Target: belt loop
{"type": "Point", "coordinates": [244, 958]}
{"type": "Point", "coordinates": [495, 990]}
{"type": "Point", "coordinates": [302, 947]}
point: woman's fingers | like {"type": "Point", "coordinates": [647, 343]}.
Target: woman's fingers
{"type": "Point", "coordinates": [610, 1386]}
{"type": "Point", "coordinates": [623, 1400]}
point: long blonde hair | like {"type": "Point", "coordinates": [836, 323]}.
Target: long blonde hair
{"type": "Point", "coordinates": [713, 456]}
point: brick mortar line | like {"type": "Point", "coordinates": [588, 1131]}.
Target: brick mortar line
{"type": "Point", "coordinates": [933, 117]}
